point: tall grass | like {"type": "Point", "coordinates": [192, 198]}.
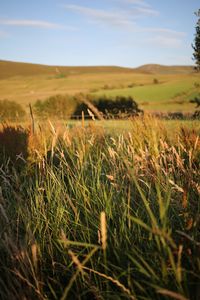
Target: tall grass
{"type": "Point", "coordinates": [103, 216]}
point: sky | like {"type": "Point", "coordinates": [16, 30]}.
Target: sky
{"type": "Point", "coordinates": [125, 33]}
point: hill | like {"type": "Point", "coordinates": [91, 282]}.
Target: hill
{"type": "Point", "coordinates": [161, 69]}
{"type": "Point", "coordinates": [12, 69]}
{"type": "Point", "coordinates": [154, 87]}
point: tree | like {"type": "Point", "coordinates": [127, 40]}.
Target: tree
{"type": "Point", "coordinates": [119, 107]}
{"type": "Point", "coordinates": [196, 45]}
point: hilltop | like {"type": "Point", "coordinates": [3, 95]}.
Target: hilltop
{"type": "Point", "coordinates": [13, 69]}
{"type": "Point", "coordinates": [161, 69]}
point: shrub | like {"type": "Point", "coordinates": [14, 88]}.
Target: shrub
{"type": "Point", "coordinates": [197, 85]}
{"type": "Point", "coordinates": [59, 106]}
{"type": "Point", "coordinates": [155, 81]}
{"type": "Point", "coordinates": [131, 85]}
{"type": "Point", "coordinates": [196, 100]}
{"type": "Point", "coordinates": [11, 111]}
{"type": "Point", "coordinates": [196, 114]}
{"type": "Point", "coordinates": [118, 107]}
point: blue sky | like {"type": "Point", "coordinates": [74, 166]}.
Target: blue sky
{"type": "Point", "coordinates": [98, 32]}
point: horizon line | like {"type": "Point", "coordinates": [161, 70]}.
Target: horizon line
{"type": "Point", "coordinates": [101, 65]}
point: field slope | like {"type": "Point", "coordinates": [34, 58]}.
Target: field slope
{"type": "Point", "coordinates": [154, 87]}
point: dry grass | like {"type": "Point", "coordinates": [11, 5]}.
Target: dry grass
{"type": "Point", "coordinates": [97, 215]}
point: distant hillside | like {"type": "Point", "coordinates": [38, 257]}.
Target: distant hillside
{"type": "Point", "coordinates": [161, 69]}
{"type": "Point", "coordinates": [12, 69]}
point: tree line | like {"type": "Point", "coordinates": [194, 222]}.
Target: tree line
{"type": "Point", "coordinates": [73, 107]}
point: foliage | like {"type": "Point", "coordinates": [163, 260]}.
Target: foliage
{"type": "Point", "coordinates": [58, 106]}
{"type": "Point", "coordinates": [196, 100]}
{"type": "Point", "coordinates": [40, 82]}
{"type": "Point", "coordinates": [160, 97]}
{"type": "Point", "coordinates": [118, 107]}
{"type": "Point", "coordinates": [196, 114]}
{"type": "Point", "coordinates": [104, 217]}
{"type": "Point", "coordinates": [11, 111]}
{"type": "Point", "coordinates": [155, 81]}
{"type": "Point", "coordinates": [196, 45]}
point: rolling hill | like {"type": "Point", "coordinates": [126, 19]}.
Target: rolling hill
{"type": "Point", "coordinates": [154, 87]}
{"type": "Point", "coordinates": [161, 69]}
{"type": "Point", "coordinates": [12, 69]}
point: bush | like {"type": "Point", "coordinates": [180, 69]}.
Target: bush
{"type": "Point", "coordinates": [196, 115]}
{"type": "Point", "coordinates": [118, 107]}
{"type": "Point", "coordinates": [197, 85]}
{"type": "Point", "coordinates": [155, 81]}
{"type": "Point", "coordinates": [196, 100]}
{"type": "Point", "coordinates": [59, 106]}
{"type": "Point", "coordinates": [11, 111]}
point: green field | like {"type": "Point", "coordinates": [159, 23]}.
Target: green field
{"type": "Point", "coordinates": [173, 94]}
{"type": "Point", "coordinates": [26, 83]}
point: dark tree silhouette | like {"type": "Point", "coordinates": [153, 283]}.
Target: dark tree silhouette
{"type": "Point", "coordinates": [196, 100]}
{"type": "Point", "coordinates": [196, 45]}
{"type": "Point", "coordinates": [119, 107]}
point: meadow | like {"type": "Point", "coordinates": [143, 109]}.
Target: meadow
{"type": "Point", "coordinates": [155, 88]}
{"type": "Point", "coordinates": [100, 209]}
{"type": "Point", "coordinates": [88, 212]}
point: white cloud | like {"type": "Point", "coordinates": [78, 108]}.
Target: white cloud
{"type": "Point", "coordinates": [114, 18]}
{"type": "Point", "coordinates": [33, 23]}
{"type": "Point", "coordinates": [125, 18]}
{"type": "Point", "coordinates": [127, 21]}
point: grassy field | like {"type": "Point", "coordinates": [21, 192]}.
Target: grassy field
{"type": "Point", "coordinates": [171, 94]}
{"type": "Point", "coordinates": [88, 212]}
{"type": "Point", "coordinates": [26, 83]}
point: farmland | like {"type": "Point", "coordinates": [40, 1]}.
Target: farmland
{"type": "Point", "coordinates": [155, 88]}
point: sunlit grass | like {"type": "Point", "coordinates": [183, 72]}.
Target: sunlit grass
{"type": "Point", "coordinates": [103, 214]}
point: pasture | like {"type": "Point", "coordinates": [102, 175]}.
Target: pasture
{"type": "Point", "coordinates": [173, 93]}
{"type": "Point", "coordinates": [155, 88]}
